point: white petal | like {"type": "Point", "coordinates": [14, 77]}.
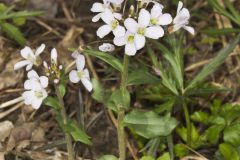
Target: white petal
{"type": "Point", "coordinates": [97, 17]}
{"type": "Point", "coordinates": [28, 85]}
{"type": "Point", "coordinates": [182, 17]}
{"type": "Point", "coordinates": [29, 67]}
{"type": "Point", "coordinates": [131, 25]}
{"type": "Point", "coordinates": [103, 31]}
{"type": "Point", "coordinates": [26, 52]}
{"type": "Point", "coordinates": [44, 81]}
{"type": "Point", "coordinates": [107, 17]}
{"type": "Point", "coordinates": [40, 49]}
{"type": "Point", "coordinates": [130, 49]}
{"type": "Point", "coordinates": [21, 64]}
{"type": "Point", "coordinates": [139, 41]}
{"type": "Point", "coordinates": [97, 7]}
{"type": "Point", "coordinates": [54, 55]}
{"type": "Point", "coordinates": [154, 32]}
{"type": "Point", "coordinates": [80, 62]}
{"type": "Point", "coordinates": [32, 74]}
{"type": "Point", "coordinates": [87, 84]}
{"type": "Point", "coordinates": [189, 29]}
{"type": "Point", "coordinates": [119, 41]}
{"type": "Point", "coordinates": [119, 31]}
{"type": "Point", "coordinates": [144, 18]}
{"type": "Point", "coordinates": [74, 77]}
{"type": "Point", "coordinates": [165, 19]}
{"type": "Point", "coordinates": [118, 16]}
{"type": "Point", "coordinates": [28, 97]}
{"type": "Point", "coordinates": [180, 6]}
{"type": "Point", "coordinates": [156, 11]}
{"type": "Point", "coordinates": [36, 103]}
{"type": "Point", "coordinates": [86, 73]}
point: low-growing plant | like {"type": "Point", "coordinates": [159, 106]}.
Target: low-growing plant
{"type": "Point", "coordinates": [10, 21]}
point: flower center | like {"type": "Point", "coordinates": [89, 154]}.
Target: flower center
{"type": "Point", "coordinates": [154, 21]}
{"type": "Point", "coordinates": [114, 24]}
{"type": "Point", "coordinates": [141, 31]}
{"type": "Point", "coordinates": [38, 94]}
{"type": "Point", "coordinates": [80, 74]}
{"type": "Point", "coordinates": [130, 39]}
{"type": "Point", "coordinates": [31, 59]}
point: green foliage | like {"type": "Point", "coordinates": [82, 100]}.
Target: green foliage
{"type": "Point", "coordinates": [141, 76]}
{"type": "Point", "coordinates": [215, 62]}
{"type": "Point", "coordinates": [147, 158]}
{"type": "Point", "coordinates": [98, 91]}
{"type": "Point", "coordinates": [231, 12]}
{"type": "Point", "coordinates": [180, 150]}
{"type": "Point", "coordinates": [118, 100]}
{"type": "Point", "coordinates": [149, 124]}
{"type": "Point", "coordinates": [109, 59]}
{"type": "Point", "coordinates": [18, 18]}
{"type": "Point", "coordinates": [165, 156]}
{"type": "Point", "coordinates": [71, 127]}
{"type": "Point", "coordinates": [108, 157]}
{"type": "Point", "coordinates": [229, 152]}
{"type": "Point", "coordinates": [52, 102]}
{"type": "Point", "coordinates": [222, 120]}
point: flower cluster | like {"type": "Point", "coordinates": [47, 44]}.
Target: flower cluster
{"type": "Point", "coordinates": [36, 86]}
{"type": "Point", "coordinates": [138, 25]}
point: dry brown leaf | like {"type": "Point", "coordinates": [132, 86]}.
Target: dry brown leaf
{"type": "Point", "coordinates": [20, 133]}
{"type": "Point", "coordinates": [6, 128]}
{"type": "Point", "coordinates": [38, 135]}
{"type": "Point", "coordinates": [2, 155]}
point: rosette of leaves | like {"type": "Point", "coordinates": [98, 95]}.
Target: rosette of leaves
{"type": "Point", "coordinates": [10, 21]}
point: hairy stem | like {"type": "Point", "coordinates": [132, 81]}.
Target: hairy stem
{"type": "Point", "coordinates": [64, 116]}
{"type": "Point", "coordinates": [188, 123]}
{"type": "Point", "coordinates": [121, 114]}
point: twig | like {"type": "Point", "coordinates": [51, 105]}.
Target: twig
{"type": "Point", "coordinates": [11, 102]}
{"type": "Point", "coordinates": [4, 114]}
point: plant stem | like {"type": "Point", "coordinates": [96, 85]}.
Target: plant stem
{"type": "Point", "coordinates": [64, 116]}
{"type": "Point", "coordinates": [121, 114]}
{"type": "Point", "coordinates": [188, 123]}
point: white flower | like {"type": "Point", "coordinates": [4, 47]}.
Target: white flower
{"type": "Point", "coordinates": [54, 56]}
{"type": "Point", "coordinates": [111, 25]}
{"type": "Point", "coordinates": [135, 39]}
{"type": "Point", "coordinates": [35, 87]}
{"type": "Point", "coordinates": [35, 82]}
{"type": "Point", "coordinates": [35, 97]}
{"type": "Point", "coordinates": [106, 47]}
{"type": "Point", "coordinates": [81, 74]}
{"type": "Point", "coordinates": [130, 41]}
{"type": "Point", "coordinates": [158, 18]}
{"type": "Point", "coordinates": [182, 19]}
{"type": "Point", "coordinates": [30, 57]}
{"type": "Point", "coordinates": [101, 8]}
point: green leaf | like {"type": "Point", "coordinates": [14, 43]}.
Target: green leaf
{"type": "Point", "coordinates": [165, 107]}
{"type": "Point", "coordinates": [142, 76]}
{"type": "Point", "coordinates": [165, 156]}
{"type": "Point", "coordinates": [13, 32]}
{"type": "Point", "coordinates": [62, 89]}
{"type": "Point", "coordinates": [147, 158]}
{"type": "Point", "coordinates": [19, 21]}
{"type": "Point", "coordinates": [180, 150]}
{"type": "Point", "coordinates": [20, 14]}
{"type": "Point", "coordinates": [213, 133]}
{"type": "Point", "coordinates": [215, 62]}
{"type": "Point", "coordinates": [218, 32]}
{"type": "Point", "coordinates": [228, 151]}
{"type": "Point", "coordinates": [118, 100]}
{"type": "Point", "coordinates": [52, 102]}
{"type": "Point", "coordinates": [114, 62]}
{"type": "Point", "coordinates": [200, 117]}
{"type": "Point", "coordinates": [98, 91]}
{"type": "Point", "coordinates": [149, 124]}
{"type": "Point", "coordinates": [108, 157]}
{"type": "Point", "coordinates": [77, 133]}
{"type": "Point", "coordinates": [71, 127]}
{"type": "Point", "coordinates": [232, 134]}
